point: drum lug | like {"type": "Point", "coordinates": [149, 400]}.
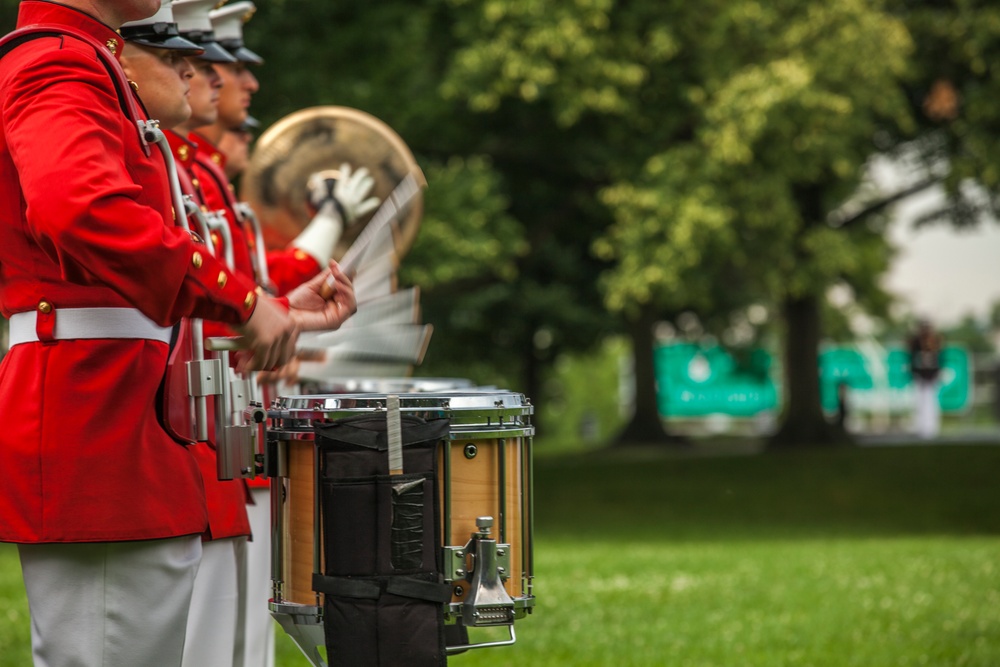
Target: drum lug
{"type": "Point", "coordinates": [276, 456]}
{"type": "Point", "coordinates": [454, 563]}
{"type": "Point", "coordinates": [503, 561]}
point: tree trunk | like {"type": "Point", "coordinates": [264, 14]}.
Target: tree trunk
{"type": "Point", "coordinates": [646, 426]}
{"type": "Point", "coordinates": [803, 422]}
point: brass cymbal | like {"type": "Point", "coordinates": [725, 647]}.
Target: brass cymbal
{"type": "Point", "coordinates": [322, 138]}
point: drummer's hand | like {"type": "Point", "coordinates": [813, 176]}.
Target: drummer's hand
{"type": "Point", "coordinates": [270, 334]}
{"type": "Point", "coordinates": [324, 302]}
{"type": "Point", "coordinates": [289, 373]}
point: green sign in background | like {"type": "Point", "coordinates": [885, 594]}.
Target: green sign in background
{"type": "Point", "coordinates": [698, 380]}
{"type": "Point", "coordinates": [880, 378]}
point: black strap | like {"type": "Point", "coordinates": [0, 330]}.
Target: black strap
{"type": "Point", "coordinates": [346, 587]}
{"type": "Point", "coordinates": [351, 430]}
{"type": "Point", "coordinates": [404, 587]}
{"type": "Point", "coordinates": [17, 38]}
{"type": "Point", "coordinates": [223, 185]}
{"type": "Point", "coordinates": [407, 587]}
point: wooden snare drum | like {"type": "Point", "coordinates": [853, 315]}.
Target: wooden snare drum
{"type": "Point", "coordinates": [484, 470]}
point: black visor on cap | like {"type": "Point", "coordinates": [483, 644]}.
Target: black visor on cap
{"type": "Point", "coordinates": [205, 39]}
{"type": "Point", "coordinates": [215, 53]}
{"type": "Point", "coordinates": [240, 52]}
{"type": "Point", "coordinates": [244, 54]}
{"type": "Point", "coordinates": [160, 36]}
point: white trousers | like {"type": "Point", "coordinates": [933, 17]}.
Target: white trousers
{"type": "Point", "coordinates": [258, 624]}
{"type": "Point", "coordinates": [113, 604]}
{"type": "Point", "coordinates": [928, 409]}
{"type": "Point", "coordinates": [212, 621]}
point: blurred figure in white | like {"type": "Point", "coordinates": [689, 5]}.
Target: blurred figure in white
{"type": "Point", "coordinates": [925, 366]}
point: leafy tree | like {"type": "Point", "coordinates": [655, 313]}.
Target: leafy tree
{"type": "Point", "coordinates": [741, 134]}
{"type": "Point", "coordinates": [737, 129]}
{"type": "Point", "coordinates": [953, 91]}
{"type": "Point", "coordinates": [972, 334]}
{"type": "Point", "coordinates": [502, 258]}
{"type": "Point", "coordinates": [596, 164]}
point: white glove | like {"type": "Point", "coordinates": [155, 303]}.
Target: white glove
{"type": "Point", "coordinates": [336, 197]}
{"type": "Point", "coordinates": [320, 236]}
{"type": "Point", "coordinates": [346, 190]}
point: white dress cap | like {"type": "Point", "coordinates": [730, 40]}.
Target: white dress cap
{"type": "Point", "coordinates": [159, 31]}
{"type": "Point", "coordinates": [228, 20]}
{"type": "Point", "coordinates": [194, 23]}
{"type": "Point", "coordinates": [227, 24]}
{"type": "Point", "coordinates": [164, 15]}
{"type": "Point", "coordinates": [193, 15]}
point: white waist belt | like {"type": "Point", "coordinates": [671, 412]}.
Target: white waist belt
{"type": "Point", "coordinates": [89, 323]}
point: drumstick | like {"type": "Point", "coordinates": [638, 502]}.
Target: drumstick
{"type": "Point", "coordinates": [392, 207]}
{"type": "Point", "coordinates": [394, 432]}
{"type": "Point", "coordinates": [328, 288]}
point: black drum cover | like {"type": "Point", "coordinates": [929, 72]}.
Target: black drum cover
{"type": "Point", "coordinates": [382, 579]}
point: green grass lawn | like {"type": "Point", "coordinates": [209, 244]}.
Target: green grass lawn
{"type": "Point", "coordinates": [877, 557]}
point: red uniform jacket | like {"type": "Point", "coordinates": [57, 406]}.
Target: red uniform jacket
{"type": "Point", "coordinates": [226, 499]}
{"type": "Point", "coordinates": [287, 268]}
{"type": "Point", "coordinates": [85, 221]}
{"type": "Point", "coordinates": [290, 267]}
{"type": "Point", "coordinates": [207, 168]}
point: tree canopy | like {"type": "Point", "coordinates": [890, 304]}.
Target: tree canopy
{"type": "Point", "coordinates": [597, 162]}
{"type": "Point", "coordinates": [596, 165]}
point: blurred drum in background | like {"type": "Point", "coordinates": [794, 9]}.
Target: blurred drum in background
{"type": "Point", "coordinates": [385, 385]}
{"type": "Point", "coordinates": [318, 139]}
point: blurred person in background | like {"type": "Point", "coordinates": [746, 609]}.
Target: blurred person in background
{"type": "Point", "coordinates": [213, 637]}
{"type": "Point", "coordinates": [925, 366]}
{"type": "Point", "coordinates": [223, 154]}
{"type": "Point", "coordinates": [235, 145]}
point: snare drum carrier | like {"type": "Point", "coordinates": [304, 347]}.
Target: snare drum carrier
{"type": "Point", "coordinates": [399, 522]}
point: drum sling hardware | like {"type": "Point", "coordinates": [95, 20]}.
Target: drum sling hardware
{"type": "Point", "coordinates": [236, 422]}
{"type": "Point", "coordinates": [487, 603]}
{"type": "Point", "coordinates": [247, 215]}
{"type": "Point", "coordinates": [202, 375]}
